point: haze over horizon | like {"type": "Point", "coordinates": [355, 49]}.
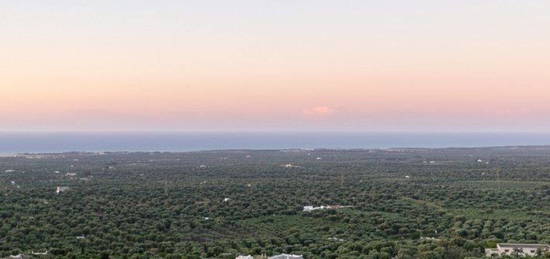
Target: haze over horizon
{"type": "Point", "coordinates": [407, 66]}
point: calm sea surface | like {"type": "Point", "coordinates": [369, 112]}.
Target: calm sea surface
{"type": "Point", "coordinates": [62, 142]}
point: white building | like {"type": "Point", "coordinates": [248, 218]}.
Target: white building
{"type": "Point", "coordinates": [39, 253]}
{"type": "Point", "coordinates": [311, 208]}
{"type": "Point", "coordinates": [286, 256]}
{"type": "Point", "coordinates": [327, 207]}
{"type": "Point", "coordinates": [61, 189]}
{"type": "Point", "coordinates": [517, 249]}
{"type": "Point", "coordinates": [244, 257]}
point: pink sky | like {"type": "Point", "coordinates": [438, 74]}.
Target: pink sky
{"type": "Point", "coordinates": [260, 65]}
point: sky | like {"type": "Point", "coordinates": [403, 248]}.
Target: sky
{"type": "Point", "coordinates": [258, 65]}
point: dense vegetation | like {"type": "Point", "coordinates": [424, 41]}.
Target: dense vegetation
{"type": "Point", "coordinates": [406, 203]}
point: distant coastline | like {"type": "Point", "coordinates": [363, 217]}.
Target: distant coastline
{"type": "Point", "coordinates": [36, 142]}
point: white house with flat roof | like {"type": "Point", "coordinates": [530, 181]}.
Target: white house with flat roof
{"type": "Point", "coordinates": [517, 249]}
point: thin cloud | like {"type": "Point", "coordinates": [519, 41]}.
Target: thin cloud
{"type": "Point", "coordinates": [319, 111]}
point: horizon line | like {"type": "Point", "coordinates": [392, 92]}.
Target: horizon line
{"type": "Point", "coordinates": [276, 131]}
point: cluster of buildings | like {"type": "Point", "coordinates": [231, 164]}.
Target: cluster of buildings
{"type": "Point", "coordinates": [504, 249]}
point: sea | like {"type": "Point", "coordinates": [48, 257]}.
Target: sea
{"type": "Point", "coordinates": [48, 142]}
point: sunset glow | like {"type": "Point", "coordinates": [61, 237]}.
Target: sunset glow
{"type": "Point", "coordinates": [275, 65]}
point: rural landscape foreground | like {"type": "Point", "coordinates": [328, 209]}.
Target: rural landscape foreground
{"type": "Point", "coordinates": [318, 203]}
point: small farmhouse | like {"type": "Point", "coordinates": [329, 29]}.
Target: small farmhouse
{"type": "Point", "coordinates": [61, 189]}
{"type": "Point", "coordinates": [517, 249]}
